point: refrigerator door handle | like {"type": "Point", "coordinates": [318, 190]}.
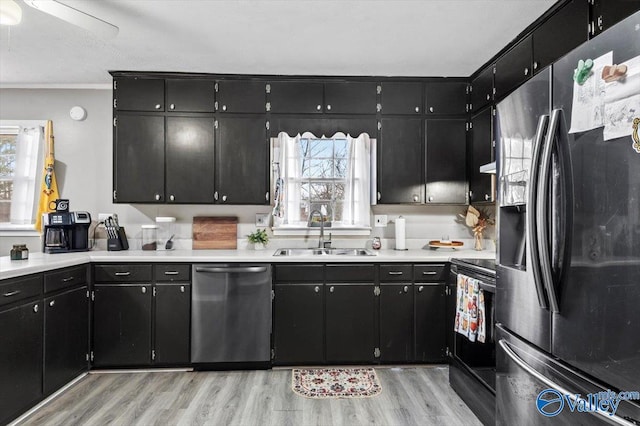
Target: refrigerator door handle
{"type": "Point", "coordinates": [550, 383]}
{"type": "Point", "coordinates": [541, 130]}
{"type": "Point", "coordinates": [542, 209]}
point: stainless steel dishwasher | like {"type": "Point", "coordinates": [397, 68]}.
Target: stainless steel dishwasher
{"type": "Point", "coordinates": [230, 314]}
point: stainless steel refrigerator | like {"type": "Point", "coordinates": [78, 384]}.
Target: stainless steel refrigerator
{"type": "Point", "coordinates": [568, 279]}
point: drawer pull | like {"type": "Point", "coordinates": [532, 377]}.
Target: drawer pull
{"type": "Point", "coordinates": [420, 289]}
{"type": "Point", "coordinates": [171, 272]}
{"type": "Point", "coordinates": [122, 274]}
{"type": "Point", "coordinates": [11, 293]}
{"type": "Point", "coordinates": [429, 273]}
{"type": "Point", "coordinates": [406, 288]}
{"type": "Point", "coordinates": [66, 280]}
{"type": "Point", "coordinates": [53, 302]}
{"type": "Point", "coordinates": [395, 272]}
{"type": "Point", "coordinates": [181, 289]}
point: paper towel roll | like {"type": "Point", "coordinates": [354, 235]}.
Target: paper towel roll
{"type": "Point", "coordinates": [400, 233]}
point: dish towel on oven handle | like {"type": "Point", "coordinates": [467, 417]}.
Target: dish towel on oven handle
{"type": "Point", "coordinates": [470, 310]}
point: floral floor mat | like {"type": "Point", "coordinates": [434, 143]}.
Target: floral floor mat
{"type": "Point", "coordinates": [335, 382]}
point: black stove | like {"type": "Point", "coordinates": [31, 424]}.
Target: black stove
{"type": "Point", "coordinates": [487, 266]}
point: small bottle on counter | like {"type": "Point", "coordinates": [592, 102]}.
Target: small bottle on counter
{"type": "Point", "coordinates": [19, 252]}
{"type": "Point", "coordinates": [376, 244]}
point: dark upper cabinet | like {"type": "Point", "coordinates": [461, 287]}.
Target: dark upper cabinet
{"type": "Point", "coordinates": [565, 30]}
{"type": "Point", "coordinates": [401, 98]}
{"type": "Point", "coordinates": [172, 322]}
{"type": "Point", "coordinates": [349, 327]}
{"type": "Point", "coordinates": [400, 161]}
{"type": "Point", "coordinates": [189, 160]}
{"type": "Point", "coordinates": [66, 337]}
{"type": "Point", "coordinates": [241, 96]}
{"type": "Point", "coordinates": [445, 97]}
{"type": "Point", "coordinates": [607, 13]}
{"type": "Point", "coordinates": [430, 319]}
{"type": "Point", "coordinates": [298, 323]}
{"type": "Point", "coordinates": [482, 89]}
{"type": "Point", "coordinates": [446, 180]}
{"type": "Point", "coordinates": [396, 322]}
{"type": "Point", "coordinates": [242, 167]}
{"type": "Point", "coordinates": [138, 94]}
{"type": "Point", "coordinates": [122, 325]}
{"type": "Point", "coordinates": [296, 97]}
{"type": "Point", "coordinates": [139, 158]}
{"type": "Point", "coordinates": [191, 95]}
{"type": "Point", "coordinates": [350, 97]}
{"type": "Point", "coordinates": [481, 141]}
{"type": "Point", "coordinates": [514, 67]}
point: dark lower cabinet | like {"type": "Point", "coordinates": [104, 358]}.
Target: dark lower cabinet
{"type": "Point", "coordinates": [350, 331]}
{"type": "Point", "coordinates": [430, 321]}
{"type": "Point", "coordinates": [396, 322]}
{"type": "Point", "coordinates": [172, 323]}
{"type": "Point", "coordinates": [21, 359]}
{"type": "Point", "coordinates": [122, 325]}
{"type": "Point", "coordinates": [66, 338]}
{"type": "Point", "coordinates": [298, 317]}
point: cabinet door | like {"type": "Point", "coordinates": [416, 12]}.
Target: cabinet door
{"type": "Point", "coordinates": [349, 322]}
{"type": "Point", "coordinates": [122, 325]}
{"type": "Point", "coordinates": [565, 30]}
{"type": "Point", "coordinates": [481, 147]}
{"type": "Point", "coordinates": [21, 355]}
{"type": "Point", "coordinates": [482, 89]}
{"type": "Point", "coordinates": [172, 322]}
{"type": "Point", "coordinates": [190, 160]}
{"type": "Point", "coordinates": [350, 97]}
{"type": "Point", "coordinates": [514, 67]}
{"type": "Point", "coordinates": [298, 323]}
{"type": "Point", "coordinates": [242, 161]}
{"type": "Point", "coordinates": [401, 98]}
{"type": "Point", "coordinates": [189, 95]}
{"type": "Point", "coordinates": [296, 97]}
{"type": "Point", "coordinates": [396, 322]}
{"type": "Point", "coordinates": [241, 96]}
{"type": "Point", "coordinates": [400, 161]}
{"type": "Point", "coordinates": [446, 180]}
{"type": "Point", "coordinates": [66, 338]}
{"type": "Point", "coordinates": [607, 13]}
{"type": "Point", "coordinates": [430, 321]}
{"type": "Point", "coordinates": [138, 94]}
{"type": "Point", "coordinates": [139, 159]}
{"type": "Point", "coordinates": [446, 97]}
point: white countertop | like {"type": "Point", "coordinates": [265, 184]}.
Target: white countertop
{"type": "Point", "coordinates": [39, 262]}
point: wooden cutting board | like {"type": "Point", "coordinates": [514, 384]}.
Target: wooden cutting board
{"type": "Point", "coordinates": [215, 232]}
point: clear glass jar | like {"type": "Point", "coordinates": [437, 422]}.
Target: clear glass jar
{"type": "Point", "coordinates": [166, 232]}
{"type": "Point", "coordinates": [19, 252]}
{"type": "Point", "coordinates": [149, 237]}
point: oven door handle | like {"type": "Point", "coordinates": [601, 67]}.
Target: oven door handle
{"type": "Point", "coordinates": [533, 372]}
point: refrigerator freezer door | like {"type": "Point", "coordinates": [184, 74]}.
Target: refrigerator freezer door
{"type": "Point", "coordinates": [596, 328]}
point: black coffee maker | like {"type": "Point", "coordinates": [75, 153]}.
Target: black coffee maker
{"type": "Point", "coordinates": [65, 231]}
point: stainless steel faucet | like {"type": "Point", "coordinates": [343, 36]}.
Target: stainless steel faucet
{"type": "Point", "coordinates": [321, 240]}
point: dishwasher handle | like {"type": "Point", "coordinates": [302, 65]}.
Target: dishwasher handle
{"type": "Point", "coordinates": [232, 269]}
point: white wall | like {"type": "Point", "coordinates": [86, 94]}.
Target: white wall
{"type": "Point", "coordinates": [84, 172]}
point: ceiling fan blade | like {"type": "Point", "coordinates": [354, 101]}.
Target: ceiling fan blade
{"type": "Point", "coordinates": [75, 17]}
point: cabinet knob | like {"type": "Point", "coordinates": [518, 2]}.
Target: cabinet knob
{"type": "Point", "coordinates": [329, 107]}
{"type": "Point", "coordinates": [171, 197]}
{"type": "Point", "coordinates": [331, 289]}
{"type": "Point", "coordinates": [316, 289]}
{"type": "Point", "coordinates": [53, 302]}
{"type": "Point", "coordinates": [215, 195]}
{"type": "Point", "coordinates": [224, 198]}
{"type": "Point", "coordinates": [430, 109]}
{"type": "Point", "coordinates": [181, 289]}
{"type": "Point", "coordinates": [379, 196]}
{"type": "Point", "coordinates": [488, 97]}
{"type": "Point", "coordinates": [470, 194]}
{"type": "Point", "coordinates": [143, 290]}
{"type": "Point", "coordinates": [224, 107]}
{"type": "Point", "coordinates": [172, 106]}
{"type": "Point", "coordinates": [319, 107]}
{"type": "Point", "coordinates": [35, 308]}
{"type": "Point", "coordinates": [430, 198]}
{"type": "Point", "coordinates": [487, 197]}
{"type": "Point", "coordinates": [526, 71]}
{"type": "Point", "coordinates": [420, 289]}
{"type": "Point", "coordinates": [405, 288]}
{"type": "Point", "coordinates": [158, 106]}
{"type": "Point", "coordinates": [535, 65]}
{"type": "Point", "coordinates": [417, 109]}
{"type": "Point", "coordinates": [157, 197]}
{"type": "Point", "coordinates": [415, 198]}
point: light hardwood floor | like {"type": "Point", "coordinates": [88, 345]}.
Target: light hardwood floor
{"type": "Point", "coordinates": [410, 396]}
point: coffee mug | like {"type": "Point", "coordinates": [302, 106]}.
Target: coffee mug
{"type": "Point", "coordinates": [60, 205]}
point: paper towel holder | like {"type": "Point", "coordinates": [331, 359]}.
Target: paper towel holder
{"type": "Point", "coordinates": [402, 235]}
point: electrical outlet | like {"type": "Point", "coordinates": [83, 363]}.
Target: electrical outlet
{"type": "Point", "coordinates": [380, 220]}
{"type": "Point", "coordinates": [262, 220]}
{"type": "Point", "coordinates": [104, 216]}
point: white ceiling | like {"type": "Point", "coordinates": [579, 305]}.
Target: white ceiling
{"type": "Point", "coordinates": [317, 37]}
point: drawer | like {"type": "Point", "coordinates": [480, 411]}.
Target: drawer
{"type": "Point", "coordinates": [172, 272]}
{"type": "Point", "coordinates": [65, 278]}
{"type": "Point", "coordinates": [350, 273]}
{"type": "Point", "coordinates": [430, 272]}
{"type": "Point", "coordinates": [123, 273]}
{"type": "Point", "coordinates": [15, 289]}
{"type": "Point", "coordinates": [396, 272]}
{"type": "Point", "coordinates": [299, 273]}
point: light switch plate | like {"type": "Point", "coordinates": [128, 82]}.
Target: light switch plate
{"type": "Point", "coordinates": [380, 220]}
{"type": "Point", "coordinates": [262, 219]}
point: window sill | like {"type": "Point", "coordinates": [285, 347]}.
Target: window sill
{"type": "Point", "coordinates": [303, 231]}
{"type": "Point", "coordinates": [8, 230]}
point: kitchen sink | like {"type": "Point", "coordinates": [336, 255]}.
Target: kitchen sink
{"type": "Point", "coordinates": [323, 252]}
